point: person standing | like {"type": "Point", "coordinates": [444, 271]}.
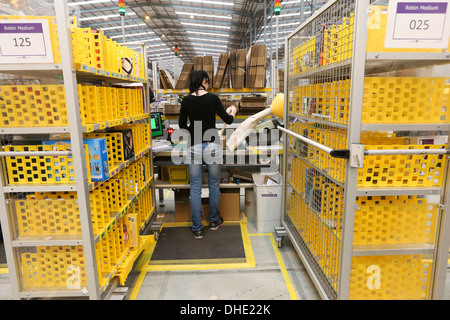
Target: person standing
{"type": "Point", "coordinates": [200, 108]}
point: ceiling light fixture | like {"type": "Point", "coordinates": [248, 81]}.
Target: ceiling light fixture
{"type": "Point", "coordinates": [82, 3]}
{"type": "Point", "coordinates": [103, 17]}
{"type": "Point", "coordinates": [203, 15]}
{"type": "Point", "coordinates": [231, 4]}
{"type": "Point", "coordinates": [209, 45]}
{"type": "Point", "coordinates": [205, 25]}
{"type": "Point", "coordinates": [132, 35]}
{"type": "Point", "coordinates": [210, 34]}
{"type": "Point", "coordinates": [207, 39]}
{"type": "Point", "coordinates": [127, 26]}
{"type": "Point", "coordinates": [150, 51]}
{"type": "Point", "coordinates": [211, 50]}
{"type": "Point", "coordinates": [284, 25]}
{"type": "Point", "coordinates": [291, 2]}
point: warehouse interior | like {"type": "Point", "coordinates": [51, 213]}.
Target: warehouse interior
{"type": "Point", "coordinates": [335, 177]}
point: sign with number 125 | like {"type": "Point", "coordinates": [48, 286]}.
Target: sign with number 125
{"type": "Point", "coordinates": [419, 24]}
{"type": "Point", "coordinates": [25, 41]}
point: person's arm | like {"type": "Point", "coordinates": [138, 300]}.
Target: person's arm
{"type": "Point", "coordinates": [227, 118]}
{"type": "Point", "coordinates": [182, 120]}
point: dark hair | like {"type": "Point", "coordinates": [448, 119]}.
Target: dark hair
{"type": "Point", "coordinates": [196, 80]}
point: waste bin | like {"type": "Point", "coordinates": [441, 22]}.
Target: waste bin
{"type": "Point", "coordinates": [268, 194]}
{"type": "Point", "coordinates": [250, 205]}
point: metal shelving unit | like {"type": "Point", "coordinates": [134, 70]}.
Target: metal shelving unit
{"type": "Point", "coordinates": [347, 215]}
{"type": "Point", "coordinates": [82, 274]}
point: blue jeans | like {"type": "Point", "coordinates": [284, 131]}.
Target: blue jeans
{"type": "Point", "coordinates": [210, 154]}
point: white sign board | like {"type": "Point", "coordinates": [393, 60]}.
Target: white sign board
{"type": "Point", "coordinates": [25, 41]}
{"type": "Point", "coordinates": [419, 24]}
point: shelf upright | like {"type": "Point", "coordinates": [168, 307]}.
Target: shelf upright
{"type": "Point", "coordinates": [366, 188]}
{"type": "Point", "coordinates": [76, 138]}
{"type": "Point", "coordinates": [51, 262]}
{"type": "Point", "coordinates": [353, 137]}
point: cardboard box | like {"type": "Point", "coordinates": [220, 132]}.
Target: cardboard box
{"type": "Point", "coordinates": [166, 79]}
{"type": "Point", "coordinates": [256, 66]}
{"type": "Point", "coordinates": [208, 67]}
{"type": "Point", "coordinates": [182, 212]}
{"type": "Point", "coordinates": [198, 63]}
{"type": "Point", "coordinates": [229, 205]}
{"type": "Point", "coordinates": [172, 109]}
{"type": "Point", "coordinates": [268, 180]}
{"type": "Point", "coordinates": [240, 68]}
{"type": "Point", "coordinates": [223, 142]}
{"type": "Point", "coordinates": [128, 143]}
{"type": "Point", "coordinates": [221, 70]}
{"type": "Point", "coordinates": [98, 159]}
{"type": "Point", "coordinates": [132, 224]}
{"type": "Point", "coordinates": [98, 156]}
{"type": "Point", "coordinates": [125, 236]}
{"type": "Point", "coordinates": [183, 208]}
{"type": "Point", "coordinates": [183, 80]}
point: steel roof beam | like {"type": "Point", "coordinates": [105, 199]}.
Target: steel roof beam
{"type": "Point", "coordinates": [107, 22]}
{"type": "Point", "coordinates": [174, 6]}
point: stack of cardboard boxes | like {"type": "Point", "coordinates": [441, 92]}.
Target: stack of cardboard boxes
{"type": "Point", "coordinates": [256, 66]}
{"type": "Point", "coordinates": [236, 69]}
{"type": "Point", "coordinates": [166, 79]}
{"type": "Point", "coordinates": [221, 70]}
{"type": "Point", "coordinates": [252, 105]}
{"type": "Point", "coordinates": [183, 80]}
{"type": "Point", "coordinates": [208, 67]}
{"type": "Point", "coordinates": [198, 63]}
{"type": "Point", "coordinates": [281, 80]}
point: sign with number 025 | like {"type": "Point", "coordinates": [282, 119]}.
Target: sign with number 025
{"type": "Point", "coordinates": [25, 41]}
{"type": "Point", "coordinates": [424, 24]}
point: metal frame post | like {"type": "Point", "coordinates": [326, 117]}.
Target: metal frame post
{"type": "Point", "coordinates": [76, 138]}
{"type": "Point", "coordinates": [442, 241]}
{"type": "Point", "coordinates": [155, 74]}
{"type": "Point", "coordinates": [5, 219]}
{"type": "Point", "coordinates": [354, 132]}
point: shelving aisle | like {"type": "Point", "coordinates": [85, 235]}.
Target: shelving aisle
{"type": "Point", "coordinates": [275, 273]}
{"type": "Point", "coordinates": [377, 227]}
{"type": "Point", "coordinates": [74, 194]}
{"type": "Point", "coordinates": [368, 230]}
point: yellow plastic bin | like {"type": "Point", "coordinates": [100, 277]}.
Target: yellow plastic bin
{"type": "Point", "coordinates": [178, 174]}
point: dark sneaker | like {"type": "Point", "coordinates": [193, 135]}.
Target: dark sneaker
{"type": "Point", "coordinates": [215, 225]}
{"type": "Point", "coordinates": [197, 234]}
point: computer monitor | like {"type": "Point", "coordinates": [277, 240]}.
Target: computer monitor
{"type": "Point", "coordinates": [156, 124]}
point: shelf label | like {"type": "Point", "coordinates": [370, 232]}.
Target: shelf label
{"type": "Point", "coordinates": [25, 42]}
{"type": "Point", "coordinates": [418, 24]}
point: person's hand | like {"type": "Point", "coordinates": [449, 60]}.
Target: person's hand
{"type": "Point", "coordinates": [232, 110]}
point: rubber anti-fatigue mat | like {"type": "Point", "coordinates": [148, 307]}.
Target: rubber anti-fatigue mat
{"type": "Point", "coordinates": [177, 245]}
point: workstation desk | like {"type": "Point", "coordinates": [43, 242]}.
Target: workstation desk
{"type": "Point", "coordinates": [251, 160]}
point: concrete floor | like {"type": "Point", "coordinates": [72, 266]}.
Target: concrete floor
{"type": "Point", "coordinates": [271, 279]}
{"type": "Point", "coordinates": [264, 282]}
